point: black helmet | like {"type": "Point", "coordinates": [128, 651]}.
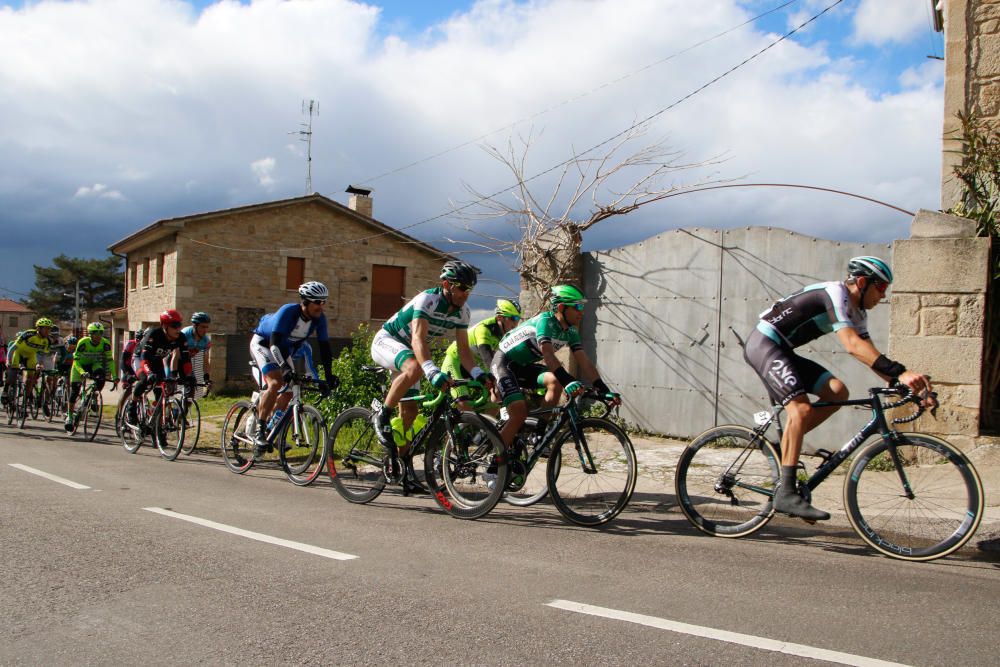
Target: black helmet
{"type": "Point", "coordinates": [455, 270]}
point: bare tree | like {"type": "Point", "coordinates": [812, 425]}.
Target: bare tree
{"type": "Point", "coordinates": [546, 249]}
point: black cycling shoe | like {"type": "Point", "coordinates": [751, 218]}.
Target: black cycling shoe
{"type": "Point", "coordinates": [791, 503]}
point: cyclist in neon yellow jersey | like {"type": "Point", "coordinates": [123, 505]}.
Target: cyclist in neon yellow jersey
{"type": "Point", "coordinates": [538, 339]}
{"type": "Point", "coordinates": [26, 348]}
{"type": "Point", "coordinates": [484, 338]}
{"type": "Point", "coordinates": [93, 356]}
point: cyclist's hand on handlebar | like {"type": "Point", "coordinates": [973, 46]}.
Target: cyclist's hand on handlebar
{"type": "Point", "coordinates": [574, 388]}
{"type": "Point", "coordinates": [440, 380]}
{"type": "Point", "coordinates": [323, 388]}
{"type": "Point", "coordinates": [921, 385]}
{"type": "Point", "coordinates": [613, 399]}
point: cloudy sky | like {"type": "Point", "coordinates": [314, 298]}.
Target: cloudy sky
{"type": "Point", "coordinates": [118, 113]}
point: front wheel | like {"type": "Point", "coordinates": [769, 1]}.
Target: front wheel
{"type": "Point", "coordinates": [132, 434]}
{"type": "Point", "coordinates": [238, 431]}
{"type": "Point", "coordinates": [725, 481]}
{"type": "Point", "coordinates": [169, 428]}
{"type": "Point", "coordinates": [356, 456]}
{"type": "Point", "coordinates": [466, 470]}
{"type": "Point", "coordinates": [592, 472]}
{"type": "Point", "coordinates": [93, 411]}
{"type": "Point", "coordinates": [302, 447]}
{"type": "Point", "coordinates": [193, 416]}
{"type": "Point", "coordinates": [918, 498]}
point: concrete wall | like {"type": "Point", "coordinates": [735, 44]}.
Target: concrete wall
{"type": "Point", "coordinates": [661, 310]}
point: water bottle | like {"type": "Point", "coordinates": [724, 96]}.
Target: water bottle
{"type": "Point", "coordinates": [275, 418]}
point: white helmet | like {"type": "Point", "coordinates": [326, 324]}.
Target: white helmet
{"type": "Point", "coordinates": [313, 291]}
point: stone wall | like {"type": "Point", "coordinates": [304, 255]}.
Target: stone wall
{"type": "Point", "coordinates": [937, 322]}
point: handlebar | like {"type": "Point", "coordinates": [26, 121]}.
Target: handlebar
{"type": "Point", "coordinates": [907, 396]}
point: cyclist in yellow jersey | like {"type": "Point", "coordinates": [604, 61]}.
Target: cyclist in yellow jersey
{"type": "Point", "coordinates": [25, 352]}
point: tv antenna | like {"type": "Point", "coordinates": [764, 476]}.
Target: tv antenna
{"type": "Point", "coordinates": [312, 108]}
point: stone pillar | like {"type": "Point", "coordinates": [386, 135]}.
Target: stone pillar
{"type": "Point", "coordinates": [937, 322]}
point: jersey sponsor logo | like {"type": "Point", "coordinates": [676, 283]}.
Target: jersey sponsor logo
{"type": "Point", "coordinates": [515, 338]}
{"type": "Point", "coordinates": [780, 316]}
{"type": "Point", "coordinates": [782, 374]}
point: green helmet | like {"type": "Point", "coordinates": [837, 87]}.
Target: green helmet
{"type": "Point", "coordinates": [508, 308]}
{"type": "Point", "coordinates": [870, 267]}
{"type": "Point", "coordinates": [43, 322]}
{"type": "Point", "coordinates": [95, 327]}
{"type": "Point", "coordinates": [566, 294]}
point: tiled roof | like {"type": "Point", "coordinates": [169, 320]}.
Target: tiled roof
{"type": "Point", "coordinates": [8, 306]}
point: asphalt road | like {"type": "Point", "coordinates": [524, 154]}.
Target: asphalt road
{"type": "Point", "coordinates": [92, 576]}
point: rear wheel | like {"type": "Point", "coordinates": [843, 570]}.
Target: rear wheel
{"type": "Point", "coordinates": [466, 469]}
{"type": "Point", "coordinates": [303, 446]}
{"type": "Point", "coordinates": [193, 417]}
{"type": "Point", "coordinates": [26, 400]}
{"type": "Point", "coordinates": [238, 432]}
{"type": "Point", "coordinates": [526, 487]}
{"type": "Point", "coordinates": [93, 411]}
{"type": "Point", "coordinates": [356, 456]}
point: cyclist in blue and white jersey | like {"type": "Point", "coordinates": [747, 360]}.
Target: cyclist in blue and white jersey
{"type": "Point", "coordinates": [279, 340]}
{"type": "Point", "coordinates": [200, 344]}
{"type": "Point", "coordinates": [401, 346]}
{"type": "Point", "coordinates": [839, 307]}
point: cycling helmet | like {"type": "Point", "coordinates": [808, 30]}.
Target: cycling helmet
{"type": "Point", "coordinates": [313, 291]}
{"type": "Point", "coordinates": [455, 270]}
{"type": "Point", "coordinates": [43, 322]}
{"type": "Point", "coordinates": [95, 327]}
{"type": "Point", "coordinates": [508, 308]}
{"type": "Point", "coordinates": [71, 340]}
{"type": "Point", "coordinates": [566, 294]}
{"type": "Point", "coordinates": [169, 317]}
{"type": "Point", "coordinates": [200, 318]}
{"type": "Point", "coordinates": [870, 267]}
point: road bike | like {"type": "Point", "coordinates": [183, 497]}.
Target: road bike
{"type": "Point", "coordinates": [299, 435]}
{"type": "Point", "coordinates": [459, 451]}
{"type": "Point", "coordinates": [18, 400]}
{"type": "Point", "coordinates": [89, 409]}
{"type": "Point", "coordinates": [162, 419]}
{"type": "Point", "coordinates": [908, 495]}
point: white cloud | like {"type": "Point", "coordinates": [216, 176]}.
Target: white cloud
{"type": "Point", "coordinates": [882, 21]}
{"type": "Point", "coordinates": [263, 170]}
{"type": "Point", "coordinates": [98, 191]}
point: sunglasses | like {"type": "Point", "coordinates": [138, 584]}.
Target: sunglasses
{"type": "Point", "coordinates": [578, 306]}
{"type": "Point", "coordinates": [175, 325]}
{"type": "Point", "coordinates": [319, 302]}
{"type": "Point", "coordinates": [514, 318]}
{"type": "Point", "coordinates": [462, 286]}
{"type": "Point", "coordinates": [880, 286]}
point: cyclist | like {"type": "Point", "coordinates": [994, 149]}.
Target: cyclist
{"type": "Point", "coordinates": [200, 343]}
{"type": "Point", "coordinates": [537, 340]}
{"type": "Point", "coordinates": [483, 339]}
{"type": "Point", "coordinates": [23, 354]}
{"type": "Point", "coordinates": [157, 344]}
{"type": "Point", "coordinates": [64, 360]}
{"type": "Point", "coordinates": [92, 356]}
{"type": "Point", "coordinates": [130, 360]}
{"type": "Point", "coordinates": [3, 365]}
{"type": "Point", "coordinates": [816, 310]}
{"type": "Point", "coordinates": [401, 347]}
{"type": "Point", "coordinates": [280, 340]}
{"type": "Point", "coordinates": [48, 362]}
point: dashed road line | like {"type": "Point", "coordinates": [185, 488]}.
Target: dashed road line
{"type": "Point", "coordinates": [260, 537]}
{"type": "Point", "coordinates": [48, 476]}
{"type": "Point", "coordinates": [764, 643]}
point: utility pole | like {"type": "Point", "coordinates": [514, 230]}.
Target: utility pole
{"type": "Point", "coordinates": [312, 107]}
{"type": "Point", "coordinates": [76, 308]}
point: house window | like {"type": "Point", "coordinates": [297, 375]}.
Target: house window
{"type": "Point", "coordinates": [134, 275]}
{"type": "Point", "coordinates": [388, 290]}
{"type": "Point", "coordinates": [145, 272]}
{"type": "Point", "coordinates": [295, 273]}
{"type": "Point", "coordinates": [159, 268]}
{"type": "Point", "coordinates": [13, 321]}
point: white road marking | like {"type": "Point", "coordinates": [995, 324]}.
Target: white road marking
{"type": "Point", "coordinates": [49, 476]}
{"type": "Point", "coordinates": [724, 635]}
{"type": "Point", "coordinates": [260, 537]}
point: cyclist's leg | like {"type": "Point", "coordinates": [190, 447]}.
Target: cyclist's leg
{"type": "Point", "coordinates": [511, 396]}
{"type": "Point", "coordinates": [399, 359]}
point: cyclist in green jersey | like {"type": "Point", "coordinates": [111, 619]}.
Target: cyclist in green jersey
{"type": "Point", "coordinates": [484, 338]}
{"type": "Point", "coordinates": [538, 339]}
{"type": "Point", "coordinates": [92, 356]}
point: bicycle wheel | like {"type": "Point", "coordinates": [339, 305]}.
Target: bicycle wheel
{"type": "Point", "coordinates": [48, 403]}
{"type": "Point", "coordinates": [725, 480]}
{"type": "Point", "coordinates": [35, 403]}
{"type": "Point", "coordinates": [12, 404]}
{"type": "Point", "coordinates": [132, 435]}
{"type": "Point", "coordinates": [466, 470]}
{"type": "Point", "coordinates": [238, 431]}
{"type": "Point", "coordinates": [93, 411]}
{"type": "Point", "coordinates": [592, 475]}
{"type": "Point", "coordinates": [24, 406]}
{"type": "Point", "coordinates": [120, 411]}
{"type": "Point", "coordinates": [356, 456]}
{"type": "Point", "coordinates": [922, 504]}
{"type": "Point", "coordinates": [193, 416]}
{"type": "Point", "coordinates": [302, 450]}
{"type": "Point", "coordinates": [531, 486]}
{"type": "Point", "coordinates": [169, 428]}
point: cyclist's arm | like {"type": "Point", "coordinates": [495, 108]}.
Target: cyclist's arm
{"type": "Point", "coordinates": [586, 366]}
{"type": "Point", "coordinates": [465, 352]}
{"type": "Point", "coordinates": [418, 341]}
{"type": "Point", "coordinates": [865, 351]}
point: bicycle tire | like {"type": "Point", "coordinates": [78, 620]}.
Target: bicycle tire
{"type": "Point", "coordinates": [169, 428]}
{"type": "Point", "coordinates": [535, 486]}
{"type": "Point", "coordinates": [24, 406]}
{"type": "Point", "coordinates": [717, 464]}
{"type": "Point", "coordinates": [11, 405]}
{"type": "Point", "coordinates": [131, 434]}
{"type": "Point", "coordinates": [355, 457]}
{"type": "Point", "coordinates": [193, 416]}
{"type": "Point", "coordinates": [93, 412]}
{"type": "Point", "coordinates": [592, 481]}
{"type": "Point", "coordinates": [944, 512]}
{"type": "Point", "coordinates": [236, 439]}
{"type": "Point", "coordinates": [302, 446]}
{"type": "Point", "coordinates": [120, 411]}
{"type": "Point", "coordinates": [48, 404]}
{"type": "Point", "coordinates": [34, 404]}
{"type": "Point", "coordinates": [467, 471]}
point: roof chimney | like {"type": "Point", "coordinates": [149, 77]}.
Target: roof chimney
{"type": "Point", "coordinates": [360, 200]}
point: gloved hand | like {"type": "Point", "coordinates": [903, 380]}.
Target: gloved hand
{"type": "Point", "coordinates": [323, 388]}
{"type": "Point", "coordinates": [439, 379]}
{"type": "Point", "coordinates": [574, 387]}
{"type": "Point", "coordinates": [333, 381]}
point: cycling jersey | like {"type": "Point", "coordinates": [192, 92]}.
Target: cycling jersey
{"type": "Point", "coordinates": [430, 305]}
{"type": "Point", "coordinates": [90, 357]}
{"type": "Point", "coordinates": [287, 328]}
{"type": "Point", "coordinates": [814, 311]}
{"type": "Point", "coordinates": [129, 366]}
{"type": "Point", "coordinates": [196, 346]}
{"type": "Point", "coordinates": [484, 336]}
{"type": "Point", "coordinates": [26, 348]}
{"type": "Point", "coordinates": [523, 344]}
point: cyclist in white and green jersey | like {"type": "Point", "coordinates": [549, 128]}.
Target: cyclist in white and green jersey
{"type": "Point", "coordinates": [484, 338]}
{"type": "Point", "coordinates": [401, 345]}
{"type": "Point", "coordinates": [538, 339]}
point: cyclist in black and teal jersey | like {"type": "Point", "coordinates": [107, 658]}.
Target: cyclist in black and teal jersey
{"type": "Point", "coordinates": [484, 338]}
{"type": "Point", "coordinates": [840, 307]}
{"type": "Point", "coordinates": [401, 346]}
{"type": "Point", "coordinates": [64, 357]}
{"type": "Point", "coordinates": [536, 340]}
{"type": "Point", "coordinates": [92, 356]}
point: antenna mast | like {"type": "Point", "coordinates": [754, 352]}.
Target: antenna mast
{"type": "Point", "coordinates": [311, 107]}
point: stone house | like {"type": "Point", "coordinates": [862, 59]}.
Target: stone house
{"type": "Point", "coordinates": [14, 317]}
{"type": "Point", "coordinates": [236, 264]}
